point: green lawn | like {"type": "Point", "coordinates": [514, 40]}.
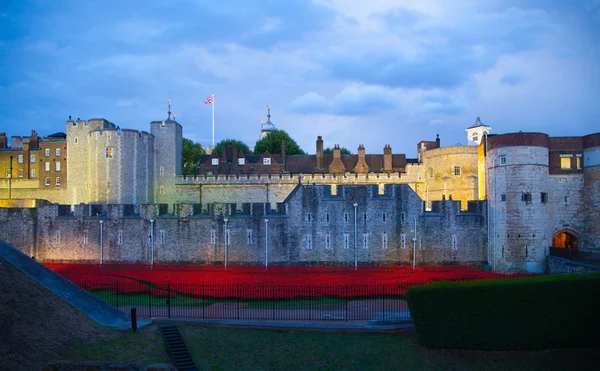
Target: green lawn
{"type": "Point", "coordinates": [235, 349]}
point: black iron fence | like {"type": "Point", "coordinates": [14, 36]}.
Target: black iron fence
{"type": "Point", "coordinates": [256, 301]}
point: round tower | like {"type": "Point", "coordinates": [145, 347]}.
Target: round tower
{"type": "Point", "coordinates": [591, 193]}
{"type": "Point", "coordinates": [518, 185]}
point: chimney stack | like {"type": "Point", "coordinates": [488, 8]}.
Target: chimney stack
{"type": "Point", "coordinates": [437, 141]}
{"type": "Point", "coordinates": [387, 158]}
{"type": "Point", "coordinates": [3, 141]}
{"type": "Point", "coordinates": [319, 152]}
{"type": "Point", "coordinates": [34, 140]}
{"type": "Point", "coordinates": [361, 164]}
{"type": "Point", "coordinates": [337, 166]}
{"type": "Point", "coordinates": [283, 152]}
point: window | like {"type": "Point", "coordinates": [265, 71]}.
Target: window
{"type": "Point", "coordinates": [475, 138]}
{"type": "Point", "coordinates": [384, 241]}
{"type": "Point", "coordinates": [57, 165]}
{"type": "Point", "coordinates": [162, 190]}
{"type": "Point", "coordinates": [161, 237]}
{"type": "Point", "coordinates": [20, 173]}
{"type": "Point", "coordinates": [430, 172]}
{"type": "Point", "coordinates": [502, 160]}
{"type": "Point", "coordinates": [47, 181]}
{"type": "Point", "coordinates": [402, 217]}
{"type": "Point", "coordinates": [544, 197]}
{"type": "Point", "coordinates": [47, 166]}
{"type": "Point", "coordinates": [403, 240]}
{"type": "Point", "coordinates": [109, 152]}
{"type": "Point", "coordinates": [578, 162]}
{"type": "Point", "coordinates": [346, 240]}
{"type": "Point", "coordinates": [327, 217]}
{"type": "Point", "coordinates": [454, 245]}
{"type": "Point", "coordinates": [161, 171]}
{"type": "Point", "coordinates": [249, 236]}
{"type": "Point", "coordinates": [503, 197]}
{"type": "Point", "coordinates": [76, 140]}
{"type": "Point", "coordinates": [383, 217]}
{"type": "Point", "coordinates": [526, 197]}
{"type": "Point", "coordinates": [241, 161]}
{"type": "Point", "coordinates": [365, 217]}
{"type": "Point", "coordinates": [309, 241]}
{"type": "Point", "coordinates": [8, 173]}
{"type": "Point", "coordinates": [213, 237]}
{"type": "Point", "coordinates": [32, 158]}
{"type": "Point", "coordinates": [57, 152]}
{"type": "Point", "coordinates": [328, 241]}
{"type": "Point", "coordinates": [308, 217]}
{"type": "Point", "coordinates": [346, 218]}
{"type": "Point", "coordinates": [47, 152]}
{"type": "Point", "coordinates": [120, 237]}
{"type": "Point", "coordinates": [32, 173]}
{"type": "Point", "coordinates": [85, 237]}
{"type": "Point", "coordinates": [457, 171]}
{"type": "Point", "coordinates": [267, 161]}
{"type": "Point", "coordinates": [565, 162]}
{"type": "Point", "coordinates": [214, 161]}
{"type": "Point", "coordinates": [20, 159]}
{"type": "Point", "coordinates": [381, 189]}
{"type": "Point", "coordinates": [57, 237]}
{"type": "Point", "coordinates": [57, 180]}
{"type": "Point", "coordinates": [365, 240]}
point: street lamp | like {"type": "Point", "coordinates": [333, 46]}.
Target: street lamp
{"type": "Point", "coordinates": [495, 206]}
{"type": "Point", "coordinates": [101, 243]}
{"type": "Point", "coordinates": [226, 240]}
{"type": "Point", "coordinates": [266, 243]}
{"type": "Point", "coordinates": [415, 245]}
{"type": "Point", "coordinates": [152, 241]}
{"type": "Point", "coordinates": [355, 237]}
{"type": "Point", "coordinates": [10, 179]}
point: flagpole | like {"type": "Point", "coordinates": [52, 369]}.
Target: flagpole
{"type": "Point", "coordinates": [213, 120]}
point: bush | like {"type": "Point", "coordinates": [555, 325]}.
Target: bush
{"type": "Point", "coordinates": [520, 313]}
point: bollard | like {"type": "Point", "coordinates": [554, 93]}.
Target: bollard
{"type": "Point", "coordinates": [133, 319]}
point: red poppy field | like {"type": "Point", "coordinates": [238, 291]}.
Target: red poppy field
{"type": "Point", "coordinates": [254, 282]}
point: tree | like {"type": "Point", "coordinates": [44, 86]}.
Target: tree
{"type": "Point", "coordinates": [192, 152]}
{"type": "Point", "coordinates": [241, 146]}
{"type": "Point", "coordinates": [272, 143]}
{"type": "Point", "coordinates": [343, 151]}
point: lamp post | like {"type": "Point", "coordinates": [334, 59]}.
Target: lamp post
{"type": "Point", "coordinates": [10, 179]}
{"type": "Point", "coordinates": [226, 240]}
{"type": "Point", "coordinates": [101, 243]}
{"type": "Point", "coordinates": [494, 198]}
{"type": "Point", "coordinates": [355, 237]}
{"type": "Point", "coordinates": [152, 242]}
{"type": "Point", "coordinates": [266, 243]}
{"type": "Point", "coordinates": [415, 246]}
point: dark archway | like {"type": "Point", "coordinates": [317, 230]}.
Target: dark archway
{"type": "Point", "coordinates": [563, 239]}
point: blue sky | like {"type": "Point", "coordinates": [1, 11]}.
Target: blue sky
{"type": "Point", "coordinates": [356, 72]}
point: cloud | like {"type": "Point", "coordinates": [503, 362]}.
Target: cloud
{"type": "Point", "coordinates": [447, 109]}
{"type": "Point", "coordinates": [513, 78]}
{"type": "Point", "coordinates": [352, 101]}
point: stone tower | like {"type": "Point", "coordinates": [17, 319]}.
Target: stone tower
{"type": "Point", "coordinates": [591, 190]}
{"type": "Point", "coordinates": [168, 151]}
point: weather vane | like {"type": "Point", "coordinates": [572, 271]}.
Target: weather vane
{"type": "Point", "coordinates": [169, 107]}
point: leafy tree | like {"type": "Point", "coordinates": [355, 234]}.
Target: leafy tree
{"type": "Point", "coordinates": [272, 143]}
{"type": "Point", "coordinates": [241, 146]}
{"type": "Point", "coordinates": [343, 151]}
{"type": "Point", "coordinates": [191, 156]}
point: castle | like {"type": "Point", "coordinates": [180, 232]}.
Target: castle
{"type": "Point", "coordinates": [117, 195]}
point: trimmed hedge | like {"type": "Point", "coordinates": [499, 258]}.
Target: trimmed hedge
{"type": "Point", "coordinates": [519, 313]}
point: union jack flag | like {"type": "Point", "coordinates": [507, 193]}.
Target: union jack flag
{"type": "Point", "coordinates": [209, 100]}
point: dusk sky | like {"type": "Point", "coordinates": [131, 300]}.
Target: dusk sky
{"type": "Point", "coordinates": [353, 71]}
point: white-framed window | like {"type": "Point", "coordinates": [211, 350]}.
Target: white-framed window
{"type": "Point", "coordinates": [403, 241]}
{"type": "Point", "coordinates": [384, 241]}
{"type": "Point", "coordinates": [20, 159]}
{"type": "Point", "coordinates": [57, 152]}
{"type": "Point", "coordinates": [162, 190]}
{"type": "Point", "coordinates": [454, 245]}
{"type": "Point", "coordinates": [8, 173]}
{"type": "Point", "coordinates": [502, 160]}
{"type": "Point", "coordinates": [57, 237]}
{"type": "Point", "coordinates": [47, 181]}
{"type": "Point", "coordinates": [309, 242]}
{"type": "Point", "coordinates": [57, 165]}
{"type": "Point", "coordinates": [267, 161]}
{"type": "Point", "coordinates": [457, 171]}
{"type": "Point", "coordinates": [365, 237]}
{"type": "Point", "coordinates": [161, 236]}
{"type": "Point", "coordinates": [328, 241]}
{"type": "Point", "coordinates": [214, 161]}
{"type": "Point", "coordinates": [475, 138]}
{"type": "Point", "coordinates": [249, 236]}
{"type": "Point", "coordinates": [85, 237]}
{"type": "Point", "coordinates": [109, 152]}
{"type": "Point", "coordinates": [241, 161]}
{"type": "Point", "coordinates": [57, 180]}
{"type": "Point", "coordinates": [383, 217]}
{"type": "Point", "coordinates": [161, 171]}
{"type": "Point", "coordinates": [120, 237]}
{"type": "Point", "coordinates": [47, 152]}
{"type": "Point", "coordinates": [20, 173]}
{"type": "Point", "coordinates": [47, 166]}
{"type": "Point", "coordinates": [346, 241]}
{"type": "Point", "coordinates": [346, 218]}
{"type": "Point", "coordinates": [565, 162]}
{"type": "Point", "coordinates": [31, 158]}
{"type": "Point", "coordinates": [578, 158]}
{"type": "Point", "coordinates": [213, 236]}
{"type": "Point", "coordinates": [32, 173]}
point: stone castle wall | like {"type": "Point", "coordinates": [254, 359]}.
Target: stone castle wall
{"type": "Point", "coordinates": [591, 175]}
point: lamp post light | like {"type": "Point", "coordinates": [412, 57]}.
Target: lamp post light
{"type": "Point", "coordinates": [266, 244]}
{"type": "Point", "coordinates": [101, 243]}
{"type": "Point", "coordinates": [495, 207]}
{"type": "Point", "coordinates": [355, 237]}
{"type": "Point", "coordinates": [226, 239]}
{"type": "Point", "coordinates": [152, 242]}
{"type": "Point", "coordinates": [10, 179]}
{"type": "Point", "coordinates": [415, 246]}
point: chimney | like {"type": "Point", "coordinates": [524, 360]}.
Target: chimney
{"type": "Point", "coordinates": [283, 152]}
{"type": "Point", "coordinates": [337, 166]}
{"type": "Point", "coordinates": [3, 141]}
{"type": "Point", "coordinates": [361, 164]}
{"type": "Point", "coordinates": [387, 158]}
{"type": "Point", "coordinates": [437, 141]}
{"type": "Point", "coordinates": [319, 152]}
{"type": "Point", "coordinates": [34, 140]}
{"type": "Point", "coordinates": [234, 160]}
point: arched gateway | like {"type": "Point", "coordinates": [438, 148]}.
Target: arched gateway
{"type": "Point", "coordinates": [561, 240]}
